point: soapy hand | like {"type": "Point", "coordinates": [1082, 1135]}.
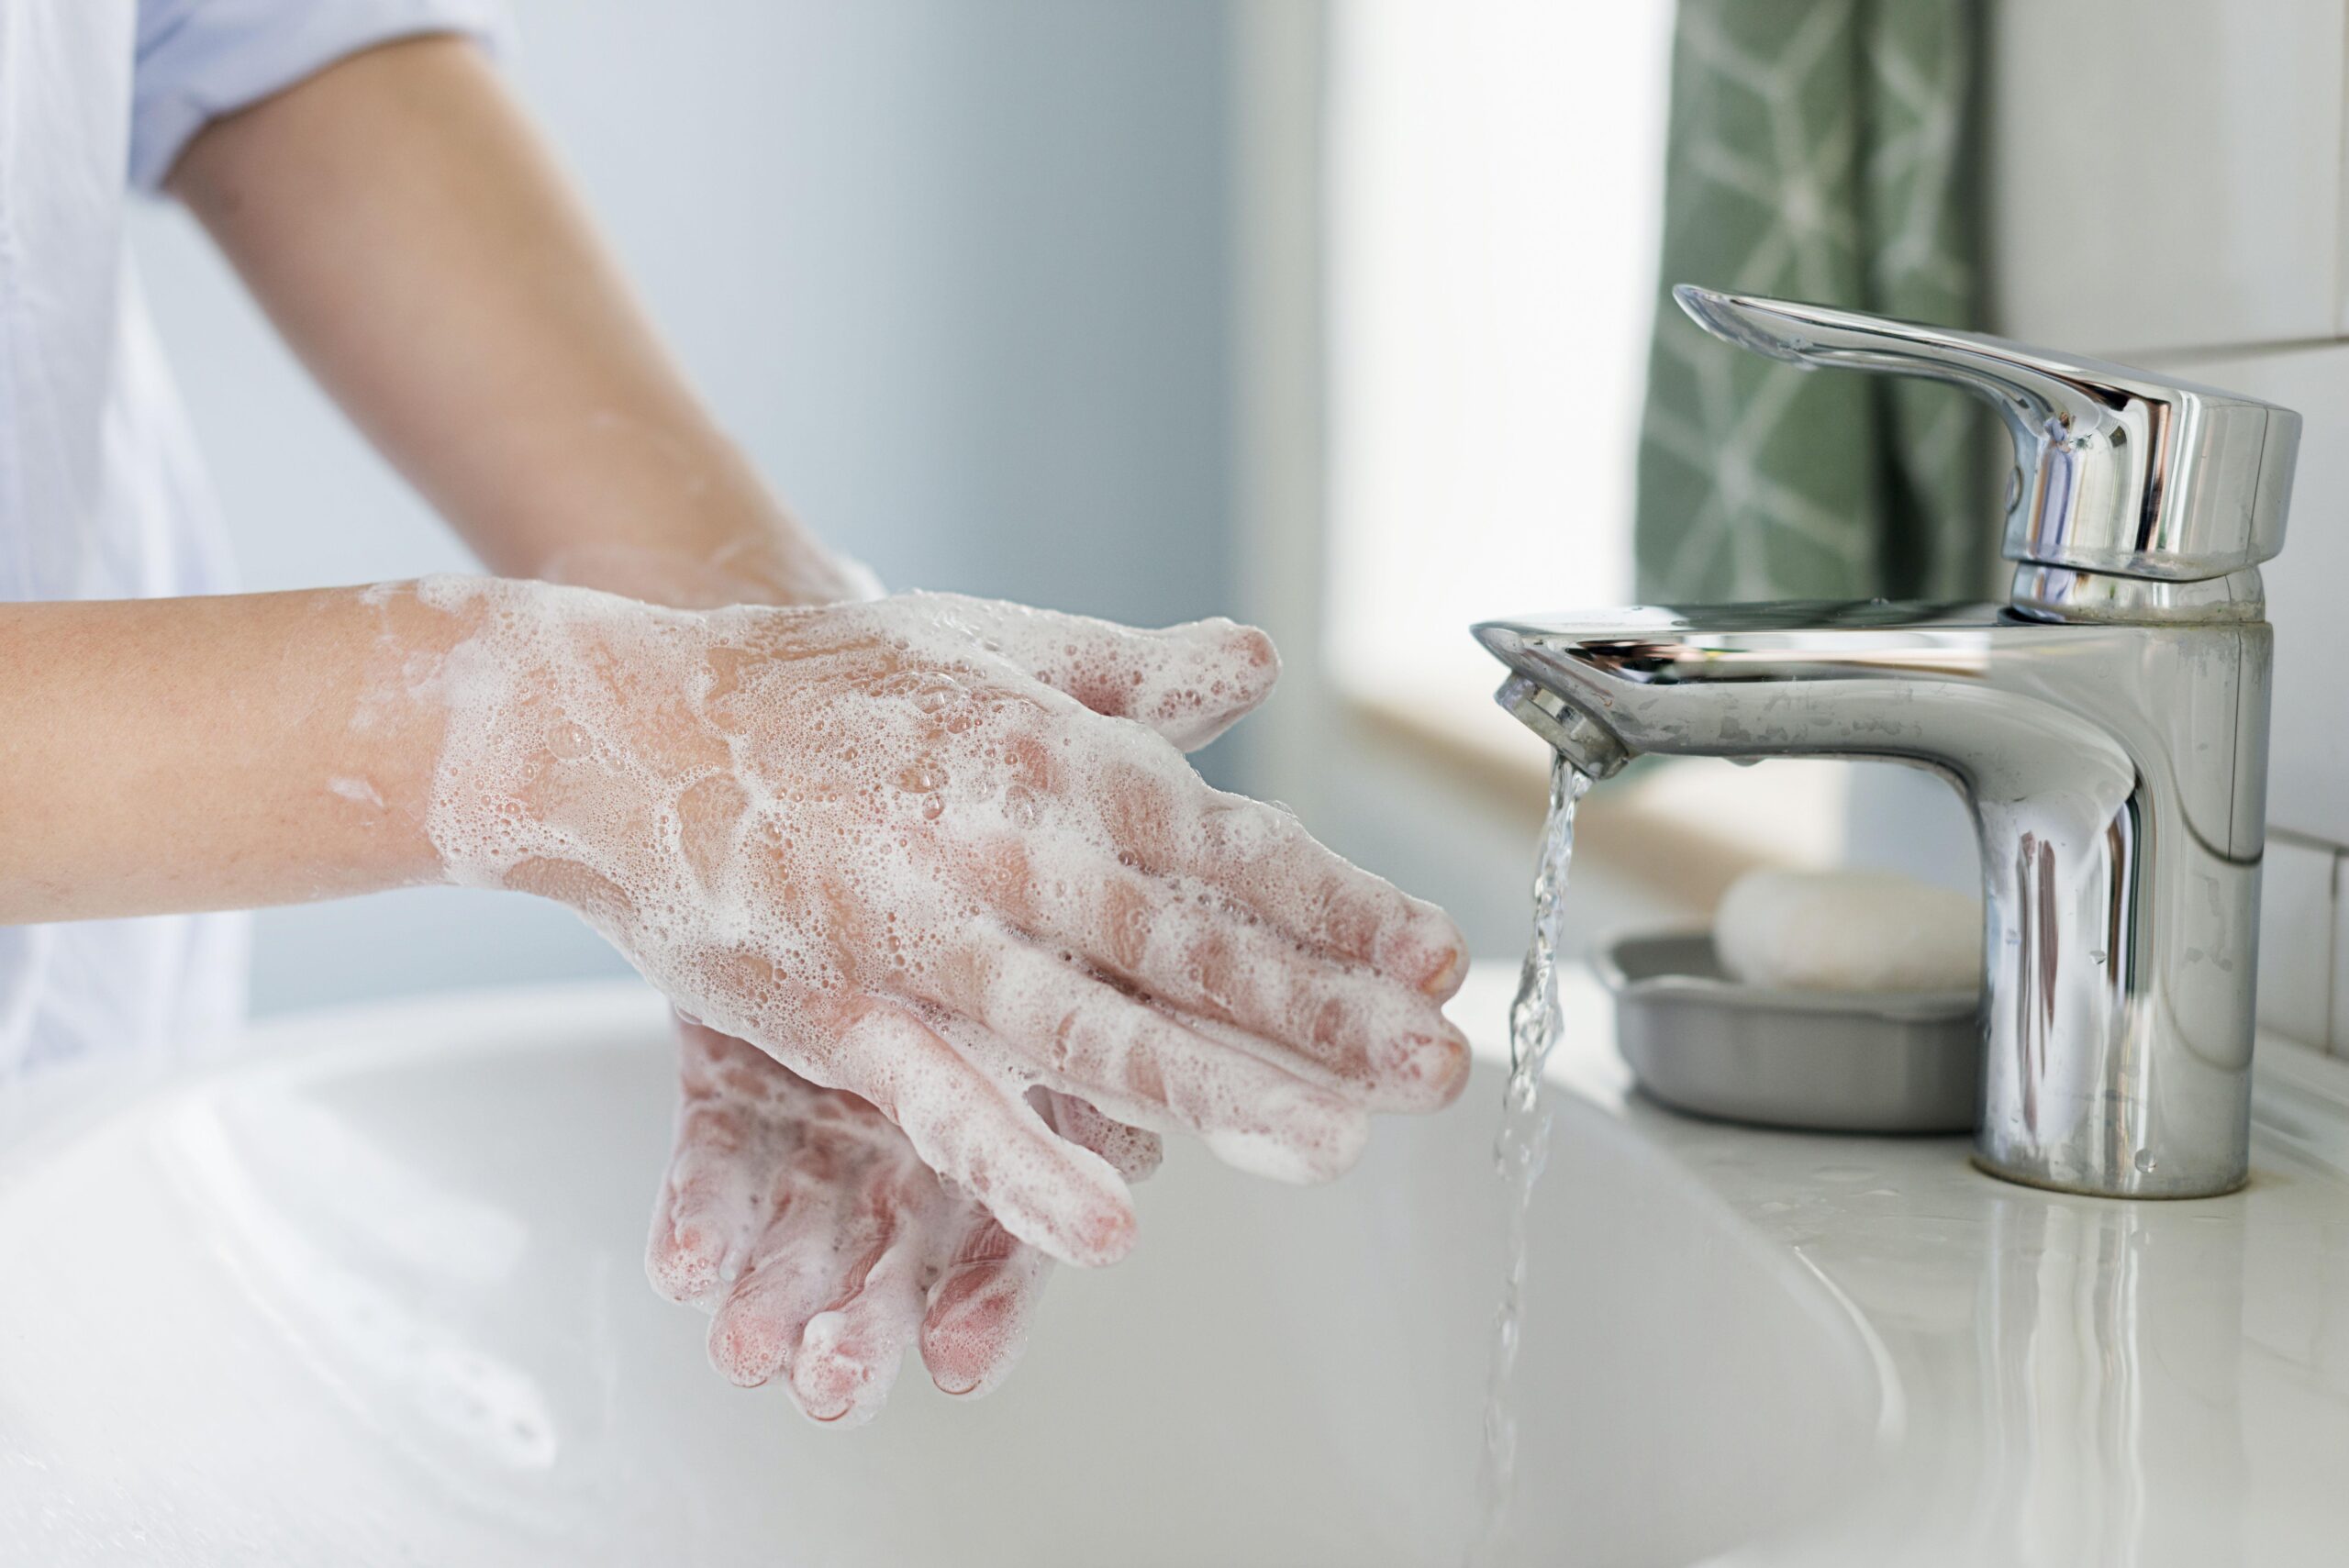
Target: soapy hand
{"type": "Point", "coordinates": [921, 850]}
{"type": "Point", "coordinates": [801, 1219]}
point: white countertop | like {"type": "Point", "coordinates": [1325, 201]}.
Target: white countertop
{"type": "Point", "coordinates": [2061, 1380]}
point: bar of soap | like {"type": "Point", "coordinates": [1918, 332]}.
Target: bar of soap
{"type": "Point", "coordinates": [1848, 931]}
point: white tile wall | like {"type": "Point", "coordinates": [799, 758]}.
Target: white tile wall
{"type": "Point", "coordinates": [2166, 173]}
{"type": "Point", "coordinates": [2338, 1036]}
{"type": "Point", "coordinates": [2307, 586]}
{"type": "Point", "coordinates": [2295, 943]}
{"type": "Point", "coordinates": [2166, 187]}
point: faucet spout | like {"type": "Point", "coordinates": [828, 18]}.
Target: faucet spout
{"type": "Point", "coordinates": [2116, 776]}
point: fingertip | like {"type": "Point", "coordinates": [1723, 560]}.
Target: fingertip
{"type": "Point", "coordinates": [1449, 969]}
{"type": "Point", "coordinates": [969, 1372]}
{"type": "Point", "coordinates": [1252, 648]}
{"type": "Point", "coordinates": [977, 1327]}
{"type": "Point", "coordinates": [1092, 1238]}
{"type": "Point", "coordinates": [833, 1385]}
{"type": "Point", "coordinates": [1447, 1066]}
{"type": "Point", "coordinates": [830, 1396]}
{"type": "Point", "coordinates": [745, 1346]}
{"type": "Point", "coordinates": [1316, 1138]}
{"type": "Point", "coordinates": [985, 1138]}
{"type": "Point", "coordinates": [1432, 953]}
{"type": "Point", "coordinates": [1093, 1233]}
{"type": "Point", "coordinates": [1076, 1208]}
{"type": "Point", "coordinates": [1429, 1071]}
{"type": "Point", "coordinates": [958, 1384]}
{"type": "Point", "coordinates": [684, 1264]}
{"type": "Point", "coordinates": [1251, 658]}
{"type": "Point", "coordinates": [1104, 1236]}
{"type": "Point", "coordinates": [1219, 673]}
{"type": "Point", "coordinates": [1348, 1150]}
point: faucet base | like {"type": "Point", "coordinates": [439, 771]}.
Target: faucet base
{"type": "Point", "coordinates": [1988, 1167]}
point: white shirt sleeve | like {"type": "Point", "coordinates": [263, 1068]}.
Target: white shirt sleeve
{"type": "Point", "coordinates": [200, 59]}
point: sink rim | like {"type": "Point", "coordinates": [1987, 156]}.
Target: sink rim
{"type": "Point", "coordinates": [1902, 1238]}
{"type": "Point", "coordinates": [510, 1027]}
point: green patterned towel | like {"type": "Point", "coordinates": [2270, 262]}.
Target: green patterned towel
{"type": "Point", "coordinates": [1821, 151]}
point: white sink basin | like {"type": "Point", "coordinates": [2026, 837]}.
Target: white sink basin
{"type": "Point", "coordinates": [374, 1296]}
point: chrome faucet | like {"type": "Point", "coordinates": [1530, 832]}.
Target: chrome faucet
{"type": "Point", "coordinates": [2106, 726]}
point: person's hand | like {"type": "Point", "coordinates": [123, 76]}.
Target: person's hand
{"type": "Point", "coordinates": [802, 1221]}
{"type": "Point", "coordinates": [920, 850]}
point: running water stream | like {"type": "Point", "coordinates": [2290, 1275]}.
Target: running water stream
{"type": "Point", "coordinates": [1522, 1149]}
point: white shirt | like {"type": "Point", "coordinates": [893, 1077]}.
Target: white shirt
{"type": "Point", "coordinates": [101, 494]}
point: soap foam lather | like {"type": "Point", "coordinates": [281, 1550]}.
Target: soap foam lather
{"type": "Point", "coordinates": [886, 843]}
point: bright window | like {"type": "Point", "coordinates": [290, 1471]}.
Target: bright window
{"type": "Point", "coordinates": [1495, 190]}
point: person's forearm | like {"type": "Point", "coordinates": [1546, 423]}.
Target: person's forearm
{"type": "Point", "coordinates": [412, 239]}
{"type": "Point", "coordinates": [166, 755]}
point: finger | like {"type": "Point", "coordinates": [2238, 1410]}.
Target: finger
{"type": "Point", "coordinates": [1190, 682]}
{"type": "Point", "coordinates": [980, 1133]}
{"type": "Point", "coordinates": [1156, 811]}
{"type": "Point", "coordinates": [1133, 1152]}
{"type": "Point", "coordinates": [846, 1358]}
{"type": "Point", "coordinates": [1085, 1038]}
{"type": "Point", "coordinates": [792, 1273]}
{"type": "Point", "coordinates": [1365, 1030]}
{"type": "Point", "coordinates": [980, 1305]}
{"type": "Point", "coordinates": [713, 1201]}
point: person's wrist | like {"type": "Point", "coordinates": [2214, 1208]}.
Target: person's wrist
{"type": "Point", "coordinates": [561, 703]}
{"type": "Point", "coordinates": [771, 564]}
{"type": "Point", "coordinates": [383, 772]}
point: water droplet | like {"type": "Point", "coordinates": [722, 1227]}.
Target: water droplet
{"type": "Point", "coordinates": [935, 693]}
{"type": "Point", "coordinates": [921, 776]}
{"type": "Point", "coordinates": [568, 741]}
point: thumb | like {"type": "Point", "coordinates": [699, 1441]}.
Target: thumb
{"type": "Point", "coordinates": [1192, 683]}
{"type": "Point", "coordinates": [1189, 682]}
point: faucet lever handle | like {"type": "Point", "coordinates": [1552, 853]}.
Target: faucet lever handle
{"type": "Point", "coordinates": [2116, 471]}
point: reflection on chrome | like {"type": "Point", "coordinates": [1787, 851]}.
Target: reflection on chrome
{"type": "Point", "coordinates": [2086, 1409]}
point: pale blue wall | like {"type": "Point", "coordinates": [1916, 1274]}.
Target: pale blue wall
{"type": "Point", "coordinates": [956, 274]}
